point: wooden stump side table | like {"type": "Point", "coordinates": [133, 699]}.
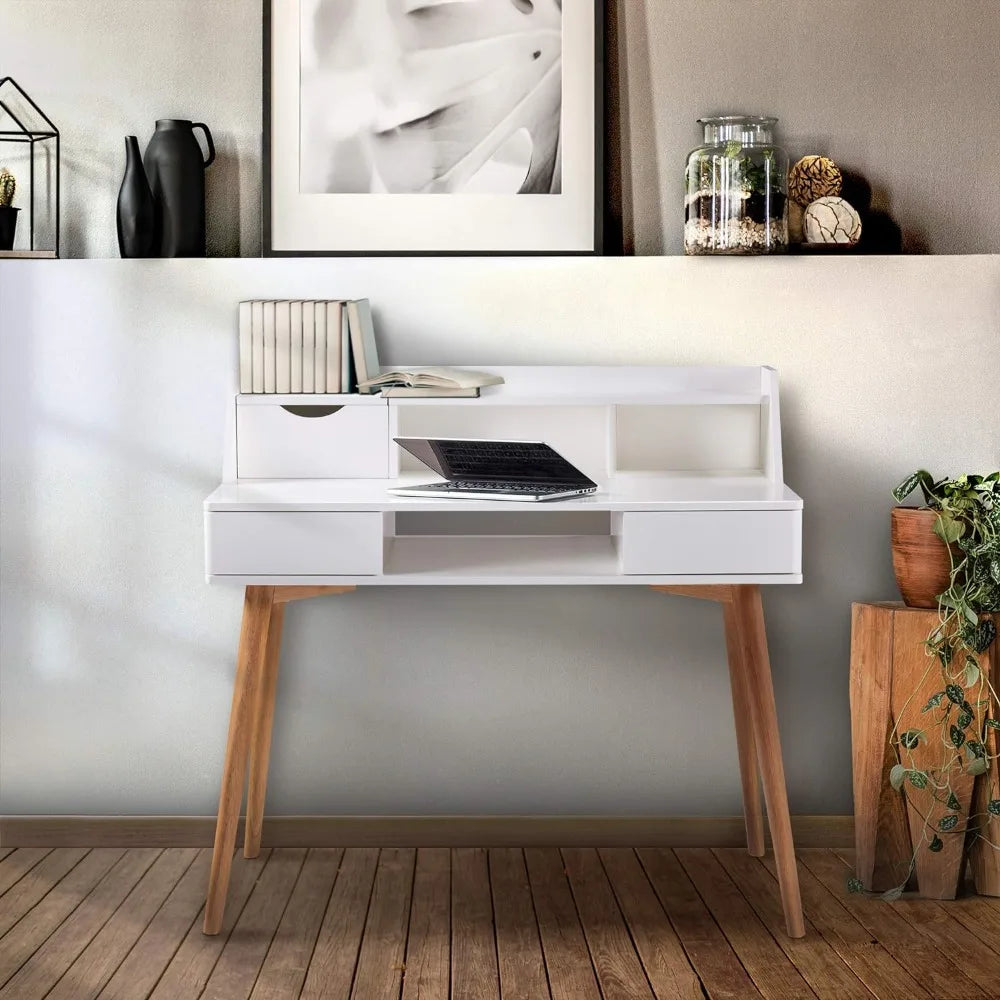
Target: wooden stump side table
{"type": "Point", "coordinates": [892, 679]}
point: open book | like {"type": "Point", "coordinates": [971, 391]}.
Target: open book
{"type": "Point", "coordinates": [431, 382]}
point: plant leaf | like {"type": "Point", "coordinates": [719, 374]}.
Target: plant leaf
{"type": "Point", "coordinates": [983, 636]}
{"type": "Point", "coordinates": [897, 776]}
{"type": "Point", "coordinates": [993, 723]}
{"type": "Point", "coordinates": [953, 802]}
{"type": "Point", "coordinates": [855, 885]}
{"type": "Point", "coordinates": [977, 767]}
{"type": "Point", "coordinates": [934, 701]}
{"type": "Point", "coordinates": [994, 807]}
{"type": "Point", "coordinates": [936, 844]}
{"type": "Point", "coordinates": [948, 528]}
{"type": "Point", "coordinates": [955, 694]}
{"type": "Point", "coordinates": [891, 895]}
{"type": "Point", "coordinates": [906, 487]}
{"type": "Point", "coordinates": [911, 738]}
{"type": "Point", "coordinates": [957, 736]}
{"type": "Point", "coordinates": [964, 719]}
{"type": "Point", "coordinates": [948, 823]}
{"type": "Point", "coordinates": [476, 75]}
{"type": "Point", "coordinates": [917, 778]}
{"type": "Point", "coordinates": [971, 676]}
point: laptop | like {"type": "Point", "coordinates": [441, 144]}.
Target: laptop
{"type": "Point", "coordinates": [494, 470]}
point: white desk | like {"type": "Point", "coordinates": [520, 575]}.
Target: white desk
{"type": "Point", "coordinates": [691, 501]}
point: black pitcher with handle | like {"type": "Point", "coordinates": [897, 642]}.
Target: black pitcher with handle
{"type": "Point", "coordinates": [175, 167]}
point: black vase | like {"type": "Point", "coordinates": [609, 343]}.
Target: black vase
{"type": "Point", "coordinates": [176, 171]}
{"type": "Point", "coordinates": [8, 224]}
{"type": "Point", "coordinates": [136, 221]}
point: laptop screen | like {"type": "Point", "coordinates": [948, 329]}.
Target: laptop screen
{"type": "Point", "coordinates": [495, 461]}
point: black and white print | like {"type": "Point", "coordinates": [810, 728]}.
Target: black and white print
{"type": "Point", "coordinates": [431, 97]}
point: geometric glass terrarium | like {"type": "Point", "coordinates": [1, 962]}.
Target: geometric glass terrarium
{"type": "Point", "coordinates": [29, 148]}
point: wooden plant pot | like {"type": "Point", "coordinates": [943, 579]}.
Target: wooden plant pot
{"type": "Point", "coordinates": [920, 559]}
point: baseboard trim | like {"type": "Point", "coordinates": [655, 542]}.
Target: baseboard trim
{"type": "Point", "coordinates": [416, 831]}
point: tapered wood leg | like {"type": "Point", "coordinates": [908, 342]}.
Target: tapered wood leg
{"type": "Point", "coordinates": [260, 734]}
{"type": "Point", "coordinates": [749, 617]}
{"type": "Point", "coordinates": [253, 646]}
{"type": "Point", "coordinates": [746, 747]}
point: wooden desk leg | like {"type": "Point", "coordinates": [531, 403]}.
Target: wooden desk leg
{"type": "Point", "coordinates": [749, 618]}
{"type": "Point", "coordinates": [253, 646]}
{"type": "Point", "coordinates": [753, 814]}
{"type": "Point", "coordinates": [260, 735]}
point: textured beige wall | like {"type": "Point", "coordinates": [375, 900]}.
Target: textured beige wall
{"type": "Point", "coordinates": [906, 91]}
{"type": "Point", "coordinates": [104, 69]}
{"type": "Point", "coordinates": [116, 659]}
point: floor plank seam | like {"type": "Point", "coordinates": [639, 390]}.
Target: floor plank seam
{"type": "Point", "coordinates": [409, 920]}
{"type": "Point", "coordinates": [42, 898]}
{"type": "Point", "coordinates": [711, 913]}
{"type": "Point", "coordinates": [319, 925]}
{"type": "Point", "coordinates": [580, 920]}
{"type": "Point", "coordinates": [538, 926]}
{"type": "Point", "coordinates": [887, 944]}
{"type": "Point", "coordinates": [627, 925]}
{"type": "Point", "coordinates": [767, 930]}
{"type": "Point", "coordinates": [711, 916]}
{"type": "Point", "coordinates": [141, 932]}
{"type": "Point", "coordinates": [775, 937]}
{"type": "Point", "coordinates": [493, 919]}
{"type": "Point", "coordinates": [239, 914]}
{"type": "Point", "coordinates": [44, 941]}
{"type": "Point", "coordinates": [364, 925]}
{"type": "Point", "coordinates": [183, 937]}
{"type": "Point", "coordinates": [281, 916]}
{"type": "Point", "coordinates": [104, 923]}
{"type": "Point", "coordinates": [26, 872]}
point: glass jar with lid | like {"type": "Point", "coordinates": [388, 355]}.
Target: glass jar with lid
{"type": "Point", "coordinates": [736, 189]}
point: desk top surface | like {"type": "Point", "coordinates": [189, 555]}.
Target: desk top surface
{"type": "Point", "coordinates": [627, 492]}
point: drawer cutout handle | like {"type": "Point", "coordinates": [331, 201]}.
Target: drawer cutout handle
{"type": "Point", "coordinates": [314, 410]}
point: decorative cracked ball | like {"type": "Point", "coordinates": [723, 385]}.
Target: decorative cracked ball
{"type": "Point", "coordinates": [814, 177]}
{"type": "Point", "coordinates": [832, 220]}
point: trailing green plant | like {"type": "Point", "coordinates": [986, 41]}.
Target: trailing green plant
{"type": "Point", "coordinates": [7, 187]}
{"type": "Point", "coordinates": [968, 523]}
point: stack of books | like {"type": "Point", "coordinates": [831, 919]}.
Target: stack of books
{"type": "Point", "coordinates": [292, 346]}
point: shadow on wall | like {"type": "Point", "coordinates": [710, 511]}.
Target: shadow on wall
{"type": "Point", "coordinates": [632, 187]}
{"type": "Point", "coordinates": [222, 199]}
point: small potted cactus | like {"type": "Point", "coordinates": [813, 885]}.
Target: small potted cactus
{"type": "Point", "coordinates": [8, 214]}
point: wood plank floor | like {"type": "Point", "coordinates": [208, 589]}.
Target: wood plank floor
{"type": "Point", "coordinates": [475, 924]}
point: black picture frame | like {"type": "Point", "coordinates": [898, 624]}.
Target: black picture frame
{"type": "Point", "coordinates": [600, 168]}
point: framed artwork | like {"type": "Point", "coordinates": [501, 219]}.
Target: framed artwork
{"type": "Point", "coordinates": [433, 127]}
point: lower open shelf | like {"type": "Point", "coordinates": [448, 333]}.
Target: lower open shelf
{"type": "Point", "coordinates": [472, 558]}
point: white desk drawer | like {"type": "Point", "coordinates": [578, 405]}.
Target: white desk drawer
{"type": "Point", "coordinates": [350, 443]}
{"type": "Point", "coordinates": [293, 543]}
{"type": "Point", "coordinates": [731, 542]}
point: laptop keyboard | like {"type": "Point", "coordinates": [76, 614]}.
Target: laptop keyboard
{"type": "Point", "coordinates": [470, 485]}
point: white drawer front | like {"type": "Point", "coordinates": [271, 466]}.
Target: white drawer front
{"type": "Point", "coordinates": [732, 542]}
{"type": "Point", "coordinates": [293, 543]}
{"type": "Point", "coordinates": [351, 443]}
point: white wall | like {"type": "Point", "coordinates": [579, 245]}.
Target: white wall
{"type": "Point", "coordinates": [902, 90]}
{"type": "Point", "coordinates": [116, 659]}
